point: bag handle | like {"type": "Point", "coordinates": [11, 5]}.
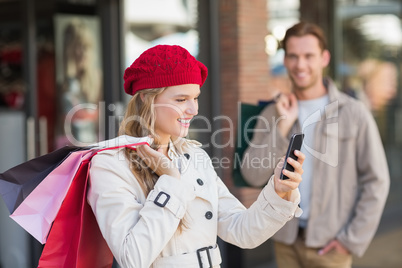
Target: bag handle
{"type": "Point", "coordinates": [123, 146]}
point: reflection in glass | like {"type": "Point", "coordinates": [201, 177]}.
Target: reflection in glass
{"type": "Point", "coordinates": [372, 45]}
{"type": "Point", "coordinates": [79, 79]}
{"type": "Point", "coordinates": [153, 22]}
{"type": "Point", "coordinates": [371, 71]}
{"type": "Point", "coordinates": [12, 89]}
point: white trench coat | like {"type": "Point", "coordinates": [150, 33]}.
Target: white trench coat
{"type": "Point", "coordinates": [141, 231]}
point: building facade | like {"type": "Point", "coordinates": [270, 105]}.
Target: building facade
{"type": "Point", "coordinates": [62, 63]}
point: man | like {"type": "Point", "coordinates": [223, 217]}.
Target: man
{"type": "Point", "coordinates": [346, 179]}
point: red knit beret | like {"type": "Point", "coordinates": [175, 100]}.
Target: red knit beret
{"type": "Point", "coordinates": [163, 66]}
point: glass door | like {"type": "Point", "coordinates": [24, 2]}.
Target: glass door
{"type": "Point", "coordinates": [50, 94]}
{"type": "Point", "coordinates": [79, 87]}
{"type": "Point", "coordinates": [370, 70]}
{"type": "Point", "coordinates": [14, 241]}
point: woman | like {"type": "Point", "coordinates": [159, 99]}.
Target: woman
{"type": "Point", "coordinates": [164, 205]}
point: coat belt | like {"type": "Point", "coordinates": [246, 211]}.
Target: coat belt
{"type": "Point", "coordinates": [202, 258]}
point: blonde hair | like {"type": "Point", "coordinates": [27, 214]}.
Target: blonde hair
{"type": "Point", "coordinates": [139, 121]}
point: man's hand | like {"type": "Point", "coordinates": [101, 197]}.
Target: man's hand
{"type": "Point", "coordinates": [287, 108]}
{"type": "Point", "coordinates": [334, 245]}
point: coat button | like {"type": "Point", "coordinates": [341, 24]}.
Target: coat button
{"type": "Point", "coordinates": [187, 156]}
{"type": "Point", "coordinates": [200, 182]}
{"type": "Point", "coordinates": [208, 215]}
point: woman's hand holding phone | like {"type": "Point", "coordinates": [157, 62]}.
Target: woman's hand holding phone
{"type": "Point", "coordinates": [287, 175]}
{"type": "Point", "coordinates": [295, 143]}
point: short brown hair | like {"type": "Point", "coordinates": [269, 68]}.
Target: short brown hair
{"type": "Point", "coordinates": [305, 28]}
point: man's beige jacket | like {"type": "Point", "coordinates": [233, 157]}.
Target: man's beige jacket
{"type": "Point", "coordinates": [350, 180]}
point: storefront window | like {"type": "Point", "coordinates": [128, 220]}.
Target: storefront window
{"type": "Point", "coordinates": [168, 22]}
{"type": "Point", "coordinates": [79, 79]}
{"type": "Point", "coordinates": [153, 22]}
{"type": "Point", "coordinates": [12, 89]}
{"type": "Point", "coordinates": [370, 71]}
{"type": "Point", "coordinates": [282, 15]}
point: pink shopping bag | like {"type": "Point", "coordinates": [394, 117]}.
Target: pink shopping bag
{"type": "Point", "coordinates": [75, 239]}
{"type": "Point", "coordinates": [39, 209]}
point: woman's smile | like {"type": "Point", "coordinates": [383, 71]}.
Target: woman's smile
{"type": "Point", "coordinates": [185, 122]}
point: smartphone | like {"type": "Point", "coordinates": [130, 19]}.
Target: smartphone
{"type": "Point", "coordinates": [295, 143]}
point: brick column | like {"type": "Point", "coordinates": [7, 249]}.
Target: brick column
{"type": "Point", "coordinates": [244, 68]}
{"type": "Point", "coordinates": [244, 78]}
{"type": "Point", "coordinates": [253, 66]}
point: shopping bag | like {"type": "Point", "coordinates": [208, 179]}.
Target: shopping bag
{"type": "Point", "coordinates": [75, 239]}
{"type": "Point", "coordinates": [245, 126]}
{"type": "Point", "coordinates": [38, 211]}
{"type": "Point", "coordinates": [18, 182]}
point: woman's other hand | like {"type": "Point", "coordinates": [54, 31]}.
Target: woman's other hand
{"type": "Point", "coordinates": [284, 187]}
{"type": "Point", "coordinates": [157, 161]}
